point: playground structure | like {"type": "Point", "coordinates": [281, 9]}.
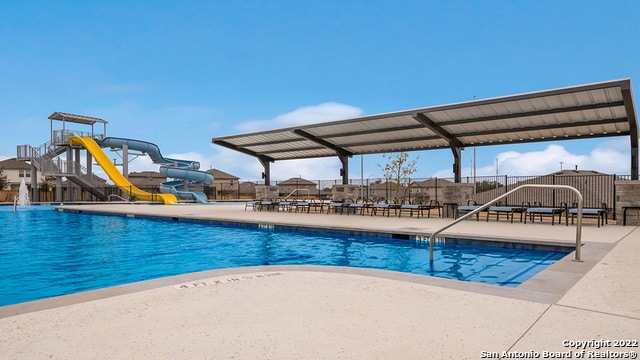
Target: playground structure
{"type": "Point", "coordinates": [61, 158]}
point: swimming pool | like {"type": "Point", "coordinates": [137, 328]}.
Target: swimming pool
{"type": "Point", "coordinates": [45, 253]}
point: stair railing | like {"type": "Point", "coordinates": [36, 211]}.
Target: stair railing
{"type": "Point", "coordinates": [488, 204]}
{"type": "Point", "coordinates": [295, 191]}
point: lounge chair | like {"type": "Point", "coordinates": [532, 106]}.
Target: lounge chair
{"type": "Point", "coordinates": [286, 205]}
{"type": "Point", "coordinates": [317, 206]}
{"type": "Point", "coordinates": [254, 205]}
{"type": "Point", "coordinates": [358, 206]}
{"type": "Point", "coordinates": [433, 204]}
{"type": "Point", "coordinates": [537, 209]}
{"type": "Point", "coordinates": [599, 213]}
{"type": "Point", "coordinates": [384, 207]}
{"type": "Point", "coordinates": [510, 211]}
{"type": "Point", "coordinates": [301, 206]}
{"type": "Point", "coordinates": [268, 205]}
{"type": "Point", "coordinates": [335, 206]}
{"type": "Point", "coordinates": [471, 205]}
{"type": "Point", "coordinates": [411, 208]}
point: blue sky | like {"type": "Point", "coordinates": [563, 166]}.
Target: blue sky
{"type": "Point", "coordinates": [178, 73]}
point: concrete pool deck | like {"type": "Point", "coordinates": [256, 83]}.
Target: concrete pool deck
{"type": "Point", "coordinates": [301, 312]}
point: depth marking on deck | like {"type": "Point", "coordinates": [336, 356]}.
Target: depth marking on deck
{"type": "Point", "coordinates": [228, 280]}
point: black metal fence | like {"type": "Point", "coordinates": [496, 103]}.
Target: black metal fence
{"type": "Point", "coordinates": [596, 189]}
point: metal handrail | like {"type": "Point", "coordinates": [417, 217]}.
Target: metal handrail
{"type": "Point", "coordinates": [119, 197]}
{"type": "Point", "coordinates": [296, 190]}
{"type": "Point", "coordinates": [475, 211]}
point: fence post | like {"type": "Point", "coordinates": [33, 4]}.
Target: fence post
{"type": "Point", "coordinates": [436, 183]}
{"type": "Point", "coordinates": [615, 217]}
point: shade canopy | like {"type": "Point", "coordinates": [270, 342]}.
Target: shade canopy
{"type": "Point", "coordinates": [78, 119]}
{"type": "Point", "coordinates": [601, 109]}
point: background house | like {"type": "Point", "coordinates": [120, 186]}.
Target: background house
{"type": "Point", "coordinates": [298, 188]}
{"type": "Point", "coordinates": [147, 180]}
{"type": "Point", "coordinates": [224, 186]}
{"type": "Point", "coordinates": [15, 171]}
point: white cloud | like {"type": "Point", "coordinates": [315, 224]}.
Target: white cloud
{"type": "Point", "coordinates": [249, 168]}
{"type": "Point", "coordinates": [304, 115]}
{"type": "Point", "coordinates": [310, 169]}
{"type": "Point", "coordinates": [611, 157]}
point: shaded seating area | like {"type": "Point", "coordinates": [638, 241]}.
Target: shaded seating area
{"type": "Point", "coordinates": [599, 213]}
{"type": "Point", "coordinates": [541, 211]}
{"type": "Point", "coordinates": [525, 211]}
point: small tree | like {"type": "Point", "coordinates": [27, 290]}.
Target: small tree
{"type": "Point", "coordinates": [398, 167]}
{"type": "Point", "coordinates": [3, 179]}
{"type": "Point", "coordinates": [487, 185]}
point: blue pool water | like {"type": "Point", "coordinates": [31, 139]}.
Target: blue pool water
{"type": "Point", "coordinates": [45, 253]}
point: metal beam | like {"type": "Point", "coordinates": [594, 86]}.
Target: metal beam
{"type": "Point", "coordinates": [266, 164]}
{"type": "Point", "coordinates": [344, 170]}
{"type": "Point", "coordinates": [240, 149]}
{"type": "Point", "coordinates": [457, 164]}
{"type": "Point", "coordinates": [455, 144]}
{"type": "Point", "coordinates": [339, 150]}
{"type": "Point", "coordinates": [544, 127]}
{"type": "Point", "coordinates": [424, 120]}
{"type": "Point", "coordinates": [342, 153]}
{"type": "Point", "coordinates": [633, 127]}
{"type": "Point", "coordinates": [532, 113]}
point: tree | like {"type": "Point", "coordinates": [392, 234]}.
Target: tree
{"type": "Point", "coordinates": [3, 179]}
{"type": "Point", "coordinates": [398, 167]}
{"type": "Point", "coordinates": [487, 185]}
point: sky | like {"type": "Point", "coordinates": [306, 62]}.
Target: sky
{"type": "Point", "coordinates": [178, 73]}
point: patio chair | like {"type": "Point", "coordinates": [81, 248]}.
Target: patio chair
{"type": "Point", "coordinates": [384, 207]}
{"type": "Point", "coordinates": [510, 211]}
{"type": "Point", "coordinates": [335, 206]}
{"type": "Point", "coordinates": [286, 205]}
{"type": "Point", "coordinates": [537, 209]}
{"type": "Point", "coordinates": [471, 205]}
{"type": "Point", "coordinates": [358, 206]}
{"type": "Point", "coordinates": [254, 205]}
{"type": "Point", "coordinates": [433, 204]}
{"type": "Point", "coordinates": [411, 208]}
{"type": "Point", "coordinates": [302, 205]}
{"type": "Point", "coordinates": [269, 205]}
{"type": "Point", "coordinates": [317, 206]}
{"type": "Point", "coordinates": [599, 213]}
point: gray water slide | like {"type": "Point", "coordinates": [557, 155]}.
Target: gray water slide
{"type": "Point", "coordinates": [171, 168]}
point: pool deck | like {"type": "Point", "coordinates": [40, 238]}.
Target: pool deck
{"type": "Point", "coordinates": [318, 312]}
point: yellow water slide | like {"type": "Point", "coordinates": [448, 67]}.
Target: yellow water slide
{"type": "Point", "coordinates": [115, 175]}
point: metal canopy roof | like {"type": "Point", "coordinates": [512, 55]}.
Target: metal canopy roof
{"type": "Point", "coordinates": [585, 111]}
{"type": "Point", "coordinates": [79, 119]}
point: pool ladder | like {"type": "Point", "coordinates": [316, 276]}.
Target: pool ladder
{"type": "Point", "coordinates": [433, 236]}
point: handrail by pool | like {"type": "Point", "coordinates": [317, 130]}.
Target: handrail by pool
{"type": "Point", "coordinates": [475, 211]}
{"type": "Point", "coordinates": [296, 190]}
{"type": "Point", "coordinates": [119, 197]}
